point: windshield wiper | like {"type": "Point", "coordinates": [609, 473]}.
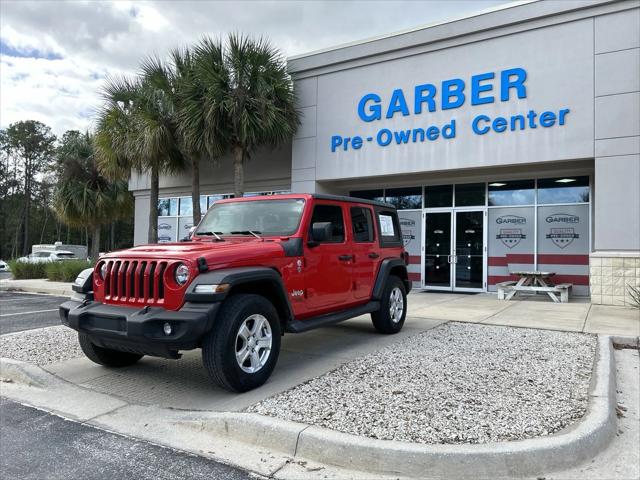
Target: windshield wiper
{"type": "Point", "coordinates": [247, 232]}
{"type": "Point", "coordinates": [215, 234]}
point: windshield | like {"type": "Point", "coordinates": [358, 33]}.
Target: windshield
{"type": "Point", "coordinates": [263, 217]}
{"type": "Point", "coordinates": [65, 255]}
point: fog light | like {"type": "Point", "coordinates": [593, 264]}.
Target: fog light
{"type": "Point", "coordinates": [167, 328]}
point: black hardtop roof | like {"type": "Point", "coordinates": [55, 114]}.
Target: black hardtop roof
{"type": "Point", "coordinates": [344, 198]}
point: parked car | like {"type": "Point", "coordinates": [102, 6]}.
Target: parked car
{"type": "Point", "coordinates": [254, 269]}
{"type": "Point", "coordinates": [48, 256]}
{"type": "Point", "coordinates": [4, 266]}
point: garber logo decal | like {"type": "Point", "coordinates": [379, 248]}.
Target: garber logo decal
{"type": "Point", "coordinates": [511, 220]}
{"type": "Point", "coordinates": [407, 225]}
{"type": "Point", "coordinates": [562, 218]}
{"type": "Point", "coordinates": [562, 237]}
{"type": "Point", "coordinates": [510, 237]}
{"type": "Point", "coordinates": [164, 226]}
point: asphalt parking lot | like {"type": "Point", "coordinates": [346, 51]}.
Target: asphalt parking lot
{"type": "Point", "coordinates": [46, 446]}
{"type": "Point", "coordinates": [26, 311]}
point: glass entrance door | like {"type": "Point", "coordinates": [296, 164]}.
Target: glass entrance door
{"type": "Point", "coordinates": [437, 250]}
{"type": "Point", "coordinates": [468, 252]}
{"type": "Point", "coordinates": [454, 250]}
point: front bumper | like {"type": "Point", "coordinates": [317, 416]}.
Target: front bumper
{"type": "Point", "coordinates": [140, 330]}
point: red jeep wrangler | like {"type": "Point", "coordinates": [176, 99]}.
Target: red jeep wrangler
{"type": "Point", "coordinates": [254, 268]}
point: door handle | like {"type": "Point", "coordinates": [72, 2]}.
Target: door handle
{"type": "Point", "coordinates": [345, 258]}
{"type": "Point", "coordinates": [373, 255]}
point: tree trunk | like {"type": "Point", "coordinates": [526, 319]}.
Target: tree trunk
{"type": "Point", "coordinates": [112, 240]}
{"type": "Point", "coordinates": [25, 224]}
{"type": "Point", "coordinates": [195, 188]}
{"type": "Point", "coordinates": [95, 244]}
{"type": "Point", "coordinates": [153, 206]}
{"type": "Point", "coordinates": [238, 171]}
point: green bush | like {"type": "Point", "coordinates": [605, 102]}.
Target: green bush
{"type": "Point", "coordinates": [66, 271]}
{"type": "Point", "coordinates": [24, 270]}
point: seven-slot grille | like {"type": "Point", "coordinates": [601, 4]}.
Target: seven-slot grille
{"type": "Point", "coordinates": [135, 281]}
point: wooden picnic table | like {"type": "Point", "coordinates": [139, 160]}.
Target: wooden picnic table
{"type": "Point", "coordinates": [534, 281]}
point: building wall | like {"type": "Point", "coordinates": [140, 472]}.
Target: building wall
{"type": "Point", "coordinates": [582, 56]}
{"type": "Point", "coordinates": [615, 263]}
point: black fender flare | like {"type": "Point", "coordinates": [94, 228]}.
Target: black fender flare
{"type": "Point", "coordinates": [241, 278]}
{"type": "Point", "coordinates": [386, 266]}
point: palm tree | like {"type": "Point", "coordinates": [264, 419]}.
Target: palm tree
{"type": "Point", "coordinates": [83, 196]}
{"type": "Point", "coordinates": [241, 97]}
{"type": "Point", "coordinates": [137, 131]}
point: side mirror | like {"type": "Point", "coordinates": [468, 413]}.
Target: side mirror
{"type": "Point", "coordinates": [320, 232]}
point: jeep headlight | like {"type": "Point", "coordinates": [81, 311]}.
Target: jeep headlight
{"type": "Point", "coordinates": [181, 274]}
{"type": "Point", "coordinates": [103, 271]}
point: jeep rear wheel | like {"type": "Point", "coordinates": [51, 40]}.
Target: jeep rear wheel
{"type": "Point", "coordinates": [106, 356]}
{"type": "Point", "coordinates": [242, 349]}
{"type": "Point", "coordinates": [393, 307]}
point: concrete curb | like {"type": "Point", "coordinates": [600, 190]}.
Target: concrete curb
{"type": "Point", "coordinates": [532, 457]}
{"type": "Point", "coordinates": [56, 288]}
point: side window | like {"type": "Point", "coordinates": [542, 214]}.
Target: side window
{"type": "Point", "coordinates": [389, 228]}
{"type": "Point", "coordinates": [333, 214]}
{"type": "Point", "coordinates": [362, 224]}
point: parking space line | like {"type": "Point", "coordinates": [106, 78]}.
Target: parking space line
{"type": "Point", "coordinates": [28, 313]}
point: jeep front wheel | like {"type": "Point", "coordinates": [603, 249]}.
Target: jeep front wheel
{"type": "Point", "coordinates": [106, 356]}
{"type": "Point", "coordinates": [242, 349]}
{"type": "Point", "coordinates": [393, 307]}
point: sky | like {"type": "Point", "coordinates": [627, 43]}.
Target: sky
{"type": "Point", "coordinates": [55, 56]}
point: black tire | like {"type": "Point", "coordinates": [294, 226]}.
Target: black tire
{"type": "Point", "coordinates": [106, 356]}
{"type": "Point", "coordinates": [383, 320]}
{"type": "Point", "coordinates": [219, 346]}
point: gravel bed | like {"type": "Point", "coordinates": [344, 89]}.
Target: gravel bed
{"type": "Point", "coordinates": [41, 346]}
{"type": "Point", "coordinates": [457, 383]}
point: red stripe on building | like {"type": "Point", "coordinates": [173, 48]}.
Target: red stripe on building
{"type": "Point", "coordinates": [414, 277]}
{"type": "Point", "coordinates": [559, 259]}
{"type": "Point", "coordinates": [519, 258]}
{"type": "Point", "coordinates": [414, 260]}
{"type": "Point", "coordinates": [575, 279]}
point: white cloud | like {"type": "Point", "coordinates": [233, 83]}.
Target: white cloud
{"type": "Point", "coordinates": [81, 42]}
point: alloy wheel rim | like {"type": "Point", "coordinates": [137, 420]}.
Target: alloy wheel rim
{"type": "Point", "coordinates": [253, 343]}
{"type": "Point", "coordinates": [396, 305]}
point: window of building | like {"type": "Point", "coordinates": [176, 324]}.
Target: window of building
{"type": "Point", "coordinates": [167, 207]}
{"type": "Point", "coordinates": [438, 196]}
{"type": "Point", "coordinates": [408, 198]}
{"type": "Point", "coordinates": [563, 190]}
{"type": "Point", "coordinates": [377, 195]}
{"type": "Point", "coordinates": [332, 214]}
{"type": "Point", "coordinates": [362, 224]}
{"type": "Point", "coordinates": [470, 194]}
{"type": "Point", "coordinates": [186, 206]}
{"type": "Point", "coordinates": [511, 192]}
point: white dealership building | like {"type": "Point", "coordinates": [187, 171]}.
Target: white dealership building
{"type": "Point", "coordinates": [508, 140]}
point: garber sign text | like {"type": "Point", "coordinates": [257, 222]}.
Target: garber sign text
{"type": "Point", "coordinates": [481, 89]}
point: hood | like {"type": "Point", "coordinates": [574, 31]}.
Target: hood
{"type": "Point", "coordinates": [214, 252]}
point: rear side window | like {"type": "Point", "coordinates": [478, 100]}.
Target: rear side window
{"type": "Point", "coordinates": [332, 214]}
{"type": "Point", "coordinates": [362, 224]}
{"type": "Point", "coordinates": [389, 228]}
